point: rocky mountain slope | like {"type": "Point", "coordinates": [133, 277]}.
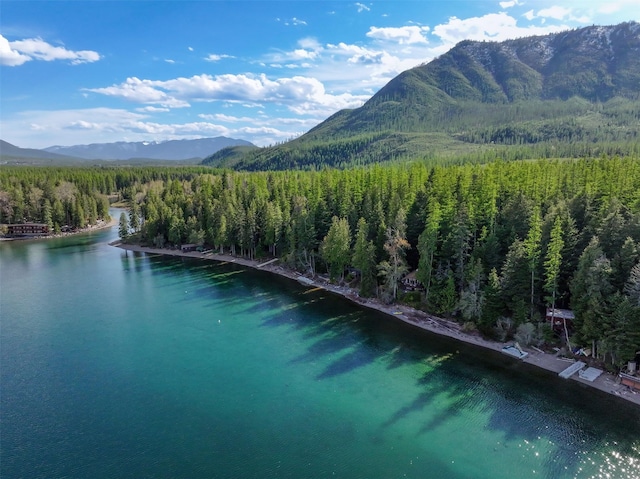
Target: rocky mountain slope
{"type": "Point", "coordinates": [574, 93]}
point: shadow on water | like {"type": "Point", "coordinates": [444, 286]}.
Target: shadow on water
{"type": "Point", "coordinates": [521, 402]}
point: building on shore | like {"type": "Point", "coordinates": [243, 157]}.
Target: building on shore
{"type": "Point", "coordinates": [558, 318]}
{"type": "Point", "coordinates": [28, 229]}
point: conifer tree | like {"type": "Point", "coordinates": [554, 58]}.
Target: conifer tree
{"type": "Point", "coordinates": [364, 258]}
{"type": "Point", "coordinates": [336, 248]}
{"type": "Point", "coordinates": [552, 265]}
{"type": "Point", "coordinates": [123, 229]}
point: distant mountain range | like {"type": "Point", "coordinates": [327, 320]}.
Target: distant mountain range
{"type": "Point", "coordinates": [573, 93]}
{"type": "Point", "coordinates": [173, 150]}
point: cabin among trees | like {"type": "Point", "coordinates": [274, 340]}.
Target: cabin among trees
{"type": "Point", "coordinates": [411, 283]}
{"type": "Point", "coordinates": [558, 318]}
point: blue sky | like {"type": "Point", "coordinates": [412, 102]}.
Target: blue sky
{"type": "Point", "coordinates": [74, 72]}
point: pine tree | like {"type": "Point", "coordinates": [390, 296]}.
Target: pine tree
{"type": "Point", "coordinates": [632, 286]}
{"type": "Point", "coordinates": [336, 247]}
{"type": "Point", "coordinates": [123, 229]}
{"type": "Point", "coordinates": [532, 249]}
{"type": "Point", "coordinates": [552, 266]}
{"type": "Point", "coordinates": [364, 258]}
{"type": "Point", "coordinates": [395, 268]}
{"type": "Point", "coordinates": [427, 245]}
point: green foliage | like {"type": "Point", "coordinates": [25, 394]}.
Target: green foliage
{"type": "Point", "coordinates": [336, 247]}
{"type": "Point", "coordinates": [566, 95]}
{"type": "Point", "coordinates": [123, 228]}
{"type": "Point", "coordinates": [476, 229]}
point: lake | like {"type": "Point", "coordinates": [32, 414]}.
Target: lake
{"type": "Point", "coordinates": [115, 364]}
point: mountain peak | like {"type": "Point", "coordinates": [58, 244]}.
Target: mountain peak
{"type": "Point", "coordinates": [576, 86]}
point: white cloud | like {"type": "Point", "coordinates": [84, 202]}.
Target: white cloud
{"type": "Point", "coordinates": [168, 60]}
{"type": "Point", "coordinates": [403, 35]}
{"type": "Point", "coordinates": [555, 12]}
{"type": "Point", "coordinates": [101, 125]}
{"type": "Point", "coordinates": [141, 91]}
{"type": "Point", "coordinates": [10, 57]}
{"type": "Point", "coordinates": [20, 51]}
{"type": "Point", "coordinates": [509, 4]}
{"type": "Point", "coordinates": [212, 57]}
{"type": "Point", "coordinates": [152, 109]}
{"type": "Point", "coordinates": [493, 26]}
{"type": "Point", "coordinates": [362, 7]}
{"type": "Point", "coordinates": [298, 93]}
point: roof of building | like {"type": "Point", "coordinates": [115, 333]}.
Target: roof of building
{"type": "Point", "coordinates": [560, 313]}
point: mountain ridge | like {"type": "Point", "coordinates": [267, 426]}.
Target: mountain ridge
{"type": "Point", "coordinates": [561, 93]}
{"type": "Point", "coordinates": [164, 150]}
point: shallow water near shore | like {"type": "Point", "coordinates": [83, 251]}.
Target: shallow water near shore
{"type": "Point", "coordinates": [117, 364]}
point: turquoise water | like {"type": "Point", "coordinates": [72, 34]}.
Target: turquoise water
{"type": "Point", "coordinates": [121, 365]}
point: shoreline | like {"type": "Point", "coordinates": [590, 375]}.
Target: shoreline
{"type": "Point", "coordinates": [100, 225]}
{"type": "Point", "coordinates": [606, 382]}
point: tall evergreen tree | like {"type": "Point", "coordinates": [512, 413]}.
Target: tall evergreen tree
{"type": "Point", "coordinates": [336, 248]}
{"type": "Point", "coordinates": [364, 258]}
{"type": "Point", "coordinates": [553, 265]}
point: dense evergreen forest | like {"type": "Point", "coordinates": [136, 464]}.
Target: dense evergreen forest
{"type": "Point", "coordinates": [72, 198]}
{"type": "Point", "coordinates": [493, 244]}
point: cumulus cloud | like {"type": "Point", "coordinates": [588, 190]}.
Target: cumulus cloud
{"type": "Point", "coordinates": [493, 26]}
{"type": "Point", "coordinates": [18, 52]}
{"type": "Point", "coordinates": [298, 93]}
{"type": "Point", "coordinates": [403, 35]}
{"type": "Point", "coordinates": [10, 57]}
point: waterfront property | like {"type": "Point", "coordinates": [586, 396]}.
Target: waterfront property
{"type": "Point", "coordinates": [559, 317]}
{"type": "Point", "coordinates": [28, 229]}
{"type": "Point", "coordinates": [629, 377]}
{"type": "Point", "coordinates": [411, 283]}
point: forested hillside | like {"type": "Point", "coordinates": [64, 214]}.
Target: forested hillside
{"type": "Point", "coordinates": [72, 197]}
{"type": "Point", "coordinates": [494, 244]}
{"type": "Point", "coordinates": [570, 94]}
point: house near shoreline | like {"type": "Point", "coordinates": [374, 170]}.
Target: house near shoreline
{"type": "Point", "coordinates": [410, 282]}
{"type": "Point", "coordinates": [28, 229]}
{"type": "Point", "coordinates": [559, 317]}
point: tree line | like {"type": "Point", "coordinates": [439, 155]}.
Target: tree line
{"type": "Point", "coordinates": [72, 198]}
{"type": "Point", "coordinates": [493, 244]}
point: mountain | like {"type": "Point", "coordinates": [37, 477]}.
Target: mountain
{"type": "Point", "coordinates": [574, 93]}
{"type": "Point", "coordinates": [15, 154]}
{"type": "Point", "coordinates": [166, 150]}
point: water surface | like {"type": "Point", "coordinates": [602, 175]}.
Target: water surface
{"type": "Point", "coordinates": [116, 364]}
